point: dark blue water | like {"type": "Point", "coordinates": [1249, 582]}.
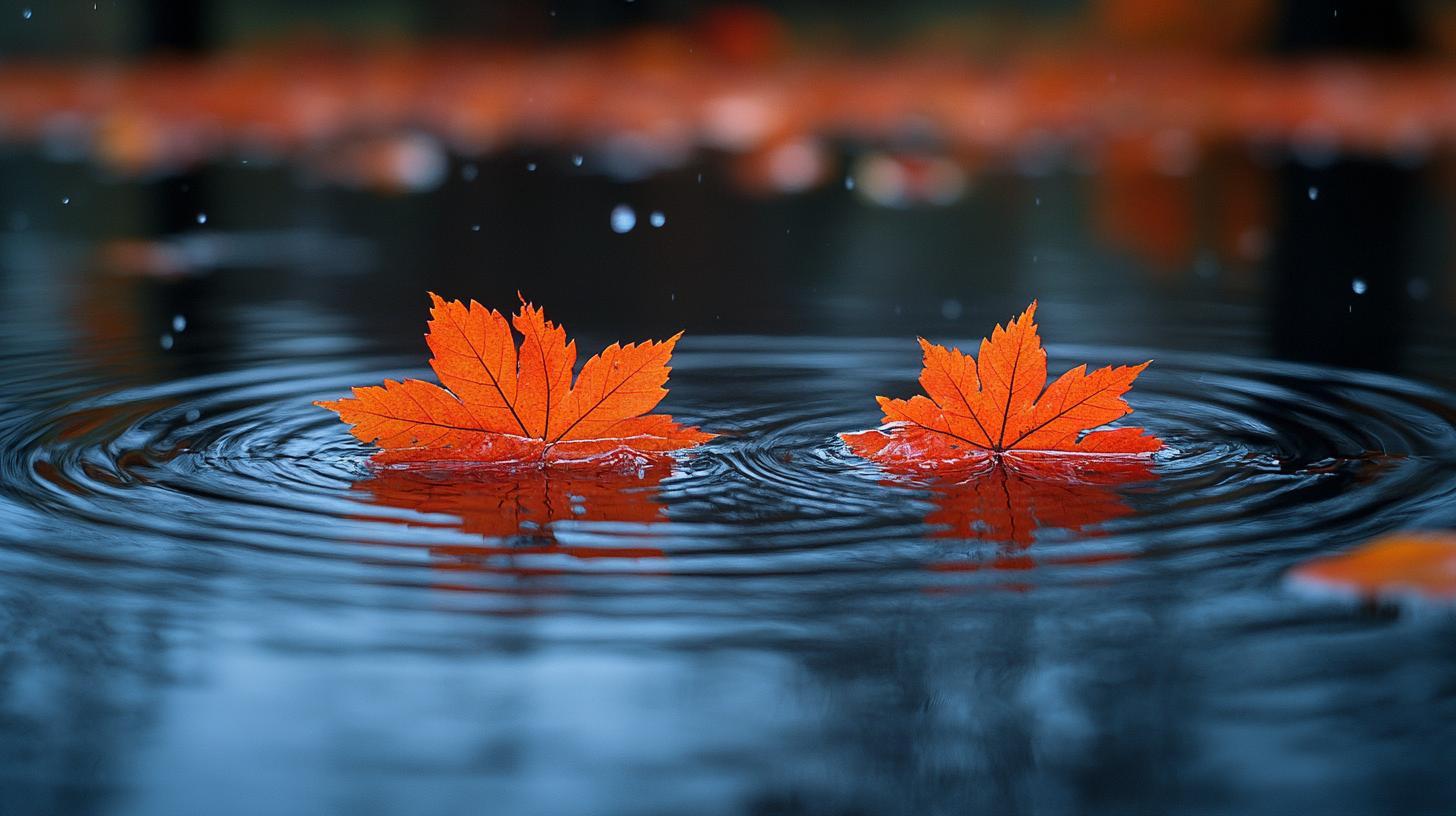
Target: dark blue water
{"type": "Point", "coordinates": [212, 602]}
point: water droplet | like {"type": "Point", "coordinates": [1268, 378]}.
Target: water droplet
{"type": "Point", "coordinates": [700, 178]}
{"type": "Point", "coordinates": [1313, 193]}
{"type": "Point", "coordinates": [1418, 289]}
{"type": "Point", "coordinates": [475, 228]}
{"type": "Point", "coordinates": [202, 218]}
{"type": "Point", "coordinates": [166, 341]}
{"type": "Point", "coordinates": [951, 309]}
{"type": "Point", "coordinates": [623, 219]}
{"type": "Point", "coordinates": [25, 14]}
{"type": "Point", "coordinates": [576, 160]}
{"type": "Point", "coordinates": [193, 415]}
{"type": "Point", "coordinates": [179, 323]}
{"type": "Point", "coordinates": [657, 219]}
{"type": "Point", "coordinates": [531, 167]}
{"type": "Point", "coordinates": [849, 182]}
{"type": "Point", "coordinates": [1358, 285]}
{"type": "Point", "coordinates": [65, 201]}
{"type": "Point", "coordinates": [1038, 202]}
{"type": "Point", "coordinates": [469, 172]}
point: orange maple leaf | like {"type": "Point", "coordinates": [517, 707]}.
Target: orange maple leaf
{"type": "Point", "coordinates": [996, 405]}
{"type": "Point", "coordinates": [1405, 565]}
{"type": "Point", "coordinates": [510, 405]}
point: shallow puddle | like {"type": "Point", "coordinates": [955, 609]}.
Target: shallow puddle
{"type": "Point", "coordinates": [213, 601]}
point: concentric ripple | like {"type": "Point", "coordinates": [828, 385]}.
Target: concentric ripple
{"type": "Point", "coordinates": [236, 474]}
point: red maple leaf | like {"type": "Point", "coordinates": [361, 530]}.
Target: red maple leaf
{"type": "Point", "coordinates": [522, 507]}
{"type": "Point", "coordinates": [510, 405]}
{"type": "Point", "coordinates": [990, 406]}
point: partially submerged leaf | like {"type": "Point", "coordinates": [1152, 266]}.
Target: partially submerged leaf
{"type": "Point", "coordinates": [996, 404]}
{"type": "Point", "coordinates": [510, 405]}
{"type": "Point", "coordinates": [1413, 564]}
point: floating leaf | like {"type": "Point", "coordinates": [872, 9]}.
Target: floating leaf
{"type": "Point", "coordinates": [505, 404]}
{"type": "Point", "coordinates": [1413, 564]}
{"type": "Point", "coordinates": [996, 404]}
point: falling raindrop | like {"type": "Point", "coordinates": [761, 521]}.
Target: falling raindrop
{"type": "Point", "coordinates": [1038, 202]}
{"type": "Point", "coordinates": [469, 172]}
{"type": "Point", "coordinates": [475, 228]}
{"type": "Point", "coordinates": [576, 160]}
{"type": "Point", "coordinates": [65, 201]}
{"type": "Point", "coordinates": [849, 182]}
{"type": "Point", "coordinates": [1313, 193]}
{"type": "Point", "coordinates": [179, 323]}
{"type": "Point", "coordinates": [166, 341]}
{"type": "Point", "coordinates": [25, 14]}
{"type": "Point", "coordinates": [1358, 285]}
{"type": "Point", "coordinates": [531, 167]}
{"type": "Point", "coordinates": [951, 309]}
{"type": "Point", "coordinates": [657, 219]}
{"type": "Point", "coordinates": [202, 218]}
{"type": "Point", "coordinates": [623, 219]}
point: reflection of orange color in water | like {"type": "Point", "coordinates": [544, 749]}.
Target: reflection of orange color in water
{"type": "Point", "coordinates": [522, 506]}
{"type": "Point", "coordinates": [1008, 498]}
{"type": "Point", "coordinates": [1183, 24]}
{"type": "Point", "coordinates": [1146, 212]}
{"type": "Point", "coordinates": [1244, 191]}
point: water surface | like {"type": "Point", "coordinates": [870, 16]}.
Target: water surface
{"type": "Point", "coordinates": [213, 602]}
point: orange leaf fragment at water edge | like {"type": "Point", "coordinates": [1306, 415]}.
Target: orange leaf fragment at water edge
{"type": "Point", "coordinates": [1000, 402]}
{"type": "Point", "coordinates": [510, 404]}
{"type": "Point", "coordinates": [1406, 565]}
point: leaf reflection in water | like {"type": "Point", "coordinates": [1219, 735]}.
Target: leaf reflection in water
{"type": "Point", "coordinates": [1008, 498]}
{"type": "Point", "coordinates": [523, 507]}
